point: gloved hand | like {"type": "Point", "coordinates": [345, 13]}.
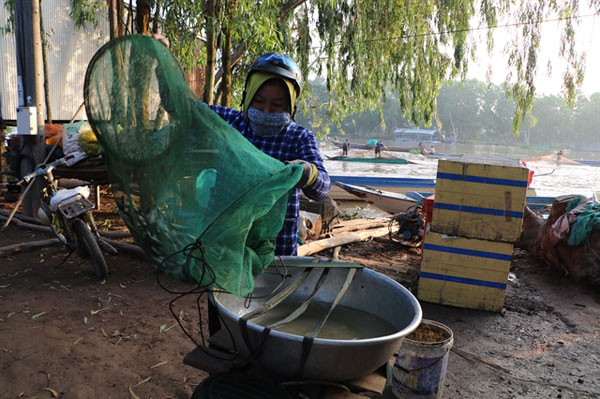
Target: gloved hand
{"type": "Point", "coordinates": [309, 174]}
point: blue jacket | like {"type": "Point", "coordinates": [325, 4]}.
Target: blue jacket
{"type": "Point", "coordinates": [293, 142]}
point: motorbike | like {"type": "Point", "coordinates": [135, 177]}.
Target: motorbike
{"type": "Point", "coordinates": [68, 212]}
{"type": "Point", "coordinates": [410, 228]}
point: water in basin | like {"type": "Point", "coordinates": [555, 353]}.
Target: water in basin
{"type": "Point", "coordinates": [344, 323]}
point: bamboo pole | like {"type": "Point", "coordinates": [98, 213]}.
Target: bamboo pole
{"type": "Point", "coordinates": [363, 225]}
{"type": "Point", "coordinates": [21, 221]}
{"type": "Point", "coordinates": [320, 245]}
{"type": "Point", "coordinates": [27, 246]}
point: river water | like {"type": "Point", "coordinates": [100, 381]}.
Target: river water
{"type": "Point", "coordinates": [548, 180]}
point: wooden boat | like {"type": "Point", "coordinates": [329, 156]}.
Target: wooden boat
{"type": "Point", "coordinates": [399, 203]}
{"type": "Point", "coordinates": [393, 184]}
{"type": "Point", "coordinates": [354, 146]}
{"type": "Point", "coordinates": [442, 155]}
{"type": "Point", "coordinates": [398, 161]}
{"type": "Point", "coordinates": [384, 200]}
{"type": "Point", "coordinates": [588, 163]}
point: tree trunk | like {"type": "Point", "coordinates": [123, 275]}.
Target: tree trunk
{"type": "Point", "coordinates": [226, 84]}
{"type": "Point", "coordinates": [211, 52]}
{"type": "Point", "coordinates": [142, 17]}
{"type": "Point", "coordinates": [120, 10]}
{"type": "Point", "coordinates": [156, 16]}
{"type": "Point", "coordinates": [235, 57]}
{"type": "Point", "coordinates": [113, 18]}
{"type": "Point", "coordinates": [130, 16]}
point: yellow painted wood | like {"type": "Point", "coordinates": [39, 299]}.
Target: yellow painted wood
{"type": "Point", "coordinates": [464, 266]}
{"type": "Point", "coordinates": [488, 227]}
{"type": "Point", "coordinates": [469, 243]}
{"type": "Point", "coordinates": [499, 197]}
{"type": "Point", "coordinates": [479, 194]}
{"type": "Point", "coordinates": [485, 170]}
{"type": "Point", "coordinates": [461, 295]}
{"type": "Point", "coordinates": [485, 271]}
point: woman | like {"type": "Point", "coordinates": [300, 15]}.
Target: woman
{"type": "Point", "coordinates": [269, 104]}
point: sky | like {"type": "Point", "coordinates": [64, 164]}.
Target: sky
{"type": "Point", "coordinates": [587, 39]}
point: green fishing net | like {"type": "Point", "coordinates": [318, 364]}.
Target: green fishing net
{"type": "Point", "coordinates": [182, 177]}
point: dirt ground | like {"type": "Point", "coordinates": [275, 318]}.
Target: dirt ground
{"type": "Point", "coordinates": [65, 334]}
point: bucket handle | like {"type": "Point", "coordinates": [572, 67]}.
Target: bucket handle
{"type": "Point", "coordinates": [424, 367]}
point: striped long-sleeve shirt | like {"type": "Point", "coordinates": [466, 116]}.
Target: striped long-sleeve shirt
{"type": "Point", "coordinates": [293, 142]}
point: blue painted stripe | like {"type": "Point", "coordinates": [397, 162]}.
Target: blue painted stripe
{"type": "Point", "coordinates": [377, 181]}
{"type": "Point", "coordinates": [471, 281]}
{"type": "Point", "coordinates": [476, 209]}
{"type": "Point", "coordinates": [483, 180]}
{"type": "Point", "coordinates": [468, 252]}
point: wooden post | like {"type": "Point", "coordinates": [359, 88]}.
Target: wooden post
{"type": "Point", "coordinates": [30, 91]}
{"type": "Point", "coordinates": [2, 145]}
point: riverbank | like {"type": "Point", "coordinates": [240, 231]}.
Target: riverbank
{"type": "Point", "coordinates": [65, 334]}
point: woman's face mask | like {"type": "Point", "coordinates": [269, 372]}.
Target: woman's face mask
{"type": "Point", "coordinates": [267, 124]}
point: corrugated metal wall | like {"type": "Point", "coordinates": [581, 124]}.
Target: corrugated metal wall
{"type": "Point", "coordinates": [68, 56]}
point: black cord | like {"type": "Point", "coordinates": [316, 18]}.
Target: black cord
{"type": "Point", "coordinates": [201, 289]}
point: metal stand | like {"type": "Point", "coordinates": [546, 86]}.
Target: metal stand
{"type": "Point", "coordinates": [213, 360]}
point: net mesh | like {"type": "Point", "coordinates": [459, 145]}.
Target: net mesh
{"type": "Point", "coordinates": [181, 176]}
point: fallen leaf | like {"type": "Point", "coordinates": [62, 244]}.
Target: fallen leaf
{"type": "Point", "coordinates": [3, 349]}
{"type": "Point", "coordinates": [85, 320]}
{"type": "Point", "coordinates": [145, 380]}
{"type": "Point", "coordinates": [5, 286]}
{"type": "Point", "coordinates": [133, 395]}
{"type": "Point", "coordinates": [159, 364]}
{"type": "Point", "coordinates": [52, 391]}
{"type": "Point", "coordinates": [171, 326]}
{"type": "Point", "coordinates": [93, 312]}
{"type": "Point", "coordinates": [104, 332]}
{"type": "Point", "coordinates": [161, 328]}
{"type": "Point", "coordinates": [122, 285]}
{"type": "Point", "coordinates": [77, 340]}
{"type": "Point", "coordinates": [37, 316]}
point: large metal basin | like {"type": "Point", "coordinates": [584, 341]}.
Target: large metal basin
{"type": "Point", "coordinates": [328, 359]}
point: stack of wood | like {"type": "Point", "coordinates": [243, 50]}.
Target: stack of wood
{"type": "Point", "coordinates": [346, 232]}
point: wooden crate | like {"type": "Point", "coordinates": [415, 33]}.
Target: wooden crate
{"type": "Point", "coordinates": [481, 201]}
{"type": "Point", "coordinates": [464, 272]}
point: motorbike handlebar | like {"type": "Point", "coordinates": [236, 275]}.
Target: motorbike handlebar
{"type": "Point", "coordinates": [43, 169]}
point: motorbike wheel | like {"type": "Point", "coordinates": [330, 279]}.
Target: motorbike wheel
{"type": "Point", "coordinates": [90, 246]}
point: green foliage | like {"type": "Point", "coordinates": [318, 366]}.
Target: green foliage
{"type": "Point", "coordinates": [86, 12]}
{"type": "Point", "coordinates": [9, 26]}
{"type": "Point", "coordinates": [480, 113]}
{"type": "Point", "coordinates": [366, 48]}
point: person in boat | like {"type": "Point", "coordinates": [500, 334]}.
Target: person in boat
{"type": "Point", "coordinates": [432, 150]}
{"type": "Point", "coordinates": [267, 120]}
{"type": "Point", "coordinates": [345, 148]}
{"type": "Point", "coordinates": [378, 147]}
{"type": "Point", "coordinates": [559, 156]}
{"type": "Point", "coordinates": [422, 149]}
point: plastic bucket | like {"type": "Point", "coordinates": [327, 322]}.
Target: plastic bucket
{"type": "Point", "coordinates": [421, 362]}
